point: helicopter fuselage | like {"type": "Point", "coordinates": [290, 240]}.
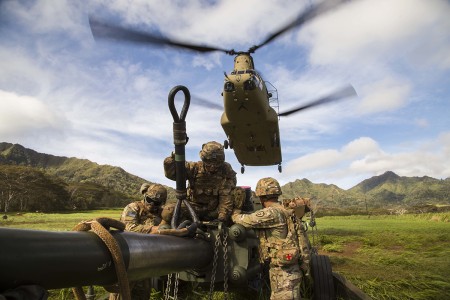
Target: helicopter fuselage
{"type": "Point", "coordinates": [249, 121]}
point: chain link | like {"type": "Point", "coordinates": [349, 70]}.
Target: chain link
{"type": "Point", "coordinates": [167, 293]}
{"type": "Point", "coordinates": [225, 264]}
{"type": "Point", "coordinates": [175, 288]}
{"type": "Point", "coordinates": [214, 268]}
{"type": "Point", "coordinates": [168, 285]}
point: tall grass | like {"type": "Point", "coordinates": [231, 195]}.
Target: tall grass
{"type": "Point", "coordinates": [391, 257]}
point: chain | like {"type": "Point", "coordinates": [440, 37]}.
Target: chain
{"type": "Point", "coordinates": [175, 287]}
{"type": "Point", "coordinates": [167, 295]}
{"type": "Point", "coordinates": [225, 264]}
{"type": "Point", "coordinates": [169, 283]}
{"type": "Point", "coordinates": [214, 268]}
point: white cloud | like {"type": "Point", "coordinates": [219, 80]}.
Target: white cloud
{"type": "Point", "coordinates": [371, 30]}
{"type": "Point", "coordinates": [386, 95]}
{"type": "Point", "coordinates": [25, 115]}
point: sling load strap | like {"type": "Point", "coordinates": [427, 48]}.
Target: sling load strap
{"type": "Point", "coordinates": [100, 226]}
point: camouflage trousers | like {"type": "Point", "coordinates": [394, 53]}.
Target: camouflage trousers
{"type": "Point", "coordinates": [285, 282]}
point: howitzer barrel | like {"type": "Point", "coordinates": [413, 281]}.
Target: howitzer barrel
{"type": "Point", "coordinates": [66, 259]}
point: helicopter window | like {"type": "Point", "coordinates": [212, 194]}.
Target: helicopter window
{"type": "Point", "coordinates": [228, 86]}
{"type": "Point", "coordinates": [252, 83]}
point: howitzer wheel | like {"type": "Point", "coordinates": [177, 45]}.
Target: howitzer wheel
{"type": "Point", "coordinates": [322, 274]}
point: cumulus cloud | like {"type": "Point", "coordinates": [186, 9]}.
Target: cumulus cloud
{"type": "Point", "coordinates": [369, 30]}
{"type": "Point", "coordinates": [25, 115]}
{"type": "Point", "coordinates": [386, 95]}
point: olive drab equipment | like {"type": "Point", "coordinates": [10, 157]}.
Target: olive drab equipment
{"type": "Point", "coordinates": [268, 187]}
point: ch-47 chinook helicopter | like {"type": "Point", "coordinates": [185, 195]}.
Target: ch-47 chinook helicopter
{"type": "Point", "coordinates": [250, 104]}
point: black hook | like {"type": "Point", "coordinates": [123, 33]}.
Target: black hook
{"type": "Point", "coordinates": [187, 101]}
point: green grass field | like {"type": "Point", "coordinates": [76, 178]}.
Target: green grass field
{"type": "Point", "coordinates": [388, 257]}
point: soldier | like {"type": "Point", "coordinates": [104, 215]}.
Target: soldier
{"type": "Point", "coordinates": [211, 181]}
{"type": "Point", "coordinates": [277, 238]}
{"type": "Point", "coordinates": [144, 216]}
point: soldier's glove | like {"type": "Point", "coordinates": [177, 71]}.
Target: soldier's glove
{"type": "Point", "coordinates": [191, 227]}
{"type": "Point", "coordinates": [167, 212]}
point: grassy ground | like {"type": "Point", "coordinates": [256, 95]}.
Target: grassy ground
{"type": "Point", "coordinates": [388, 257]}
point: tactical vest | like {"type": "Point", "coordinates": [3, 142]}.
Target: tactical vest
{"type": "Point", "coordinates": [280, 247]}
{"type": "Point", "coordinates": [205, 187]}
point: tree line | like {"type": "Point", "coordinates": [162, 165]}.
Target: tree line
{"type": "Point", "coordinates": [25, 188]}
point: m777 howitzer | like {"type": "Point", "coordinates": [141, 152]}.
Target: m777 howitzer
{"type": "Point", "coordinates": [55, 260]}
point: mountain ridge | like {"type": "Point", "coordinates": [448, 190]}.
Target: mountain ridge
{"type": "Point", "coordinates": [385, 190]}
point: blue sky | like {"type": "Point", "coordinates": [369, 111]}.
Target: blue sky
{"type": "Point", "coordinates": [65, 94]}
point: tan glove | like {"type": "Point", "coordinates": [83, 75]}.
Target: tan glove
{"type": "Point", "coordinates": [167, 212]}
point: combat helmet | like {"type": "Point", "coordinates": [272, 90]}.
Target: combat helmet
{"type": "Point", "coordinates": [268, 187]}
{"type": "Point", "coordinates": [144, 188]}
{"type": "Point", "coordinates": [212, 152]}
{"type": "Point", "coordinates": [157, 192]}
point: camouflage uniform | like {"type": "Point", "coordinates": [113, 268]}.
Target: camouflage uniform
{"type": "Point", "coordinates": [141, 216]}
{"type": "Point", "coordinates": [210, 182]}
{"type": "Point", "coordinates": [277, 240]}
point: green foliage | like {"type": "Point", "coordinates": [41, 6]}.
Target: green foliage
{"type": "Point", "coordinates": [391, 257]}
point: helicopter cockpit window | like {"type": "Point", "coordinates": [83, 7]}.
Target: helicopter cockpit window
{"type": "Point", "coordinates": [228, 86]}
{"type": "Point", "coordinates": [251, 83]}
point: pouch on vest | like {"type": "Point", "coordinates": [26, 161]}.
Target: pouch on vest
{"type": "Point", "coordinates": [287, 256]}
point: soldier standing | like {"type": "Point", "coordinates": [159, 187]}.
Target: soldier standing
{"type": "Point", "coordinates": [211, 181]}
{"type": "Point", "coordinates": [277, 238]}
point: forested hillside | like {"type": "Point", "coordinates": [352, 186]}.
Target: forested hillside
{"type": "Point", "coordinates": [32, 181]}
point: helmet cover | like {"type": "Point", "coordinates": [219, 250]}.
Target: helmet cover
{"type": "Point", "coordinates": [268, 186]}
{"type": "Point", "coordinates": [212, 152]}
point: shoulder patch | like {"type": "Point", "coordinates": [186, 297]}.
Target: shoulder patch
{"type": "Point", "coordinates": [131, 213]}
{"type": "Point", "coordinates": [260, 213]}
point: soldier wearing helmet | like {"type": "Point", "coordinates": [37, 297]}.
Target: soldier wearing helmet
{"type": "Point", "coordinates": [278, 239]}
{"type": "Point", "coordinates": [144, 216]}
{"type": "Point", "coordinates": [210, 182]}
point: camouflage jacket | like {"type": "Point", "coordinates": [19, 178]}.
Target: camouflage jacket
{"type": "Point", "coordinates": [277, 236]}
{"type": "Point", "coordinates": [207, 192]}
{"type": "Point", "coordinates": [138, 218]}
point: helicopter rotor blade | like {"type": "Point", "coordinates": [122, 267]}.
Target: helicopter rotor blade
{"type": "Point", "coordinates": [103, 30]}
{"type": "Point", "coordinates": [206, 103]}
{"type": "Point", "coordinates": [345, 92]}
{"type": "Point", "coordinates": [304, 17]}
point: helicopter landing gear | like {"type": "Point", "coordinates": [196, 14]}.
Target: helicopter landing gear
{"type": "Point", "coordinates": [242, 169]}
{"type": "Point", "coordinates": [227, 144]}
{"type": "Point", "coordinates": [279, 168]}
